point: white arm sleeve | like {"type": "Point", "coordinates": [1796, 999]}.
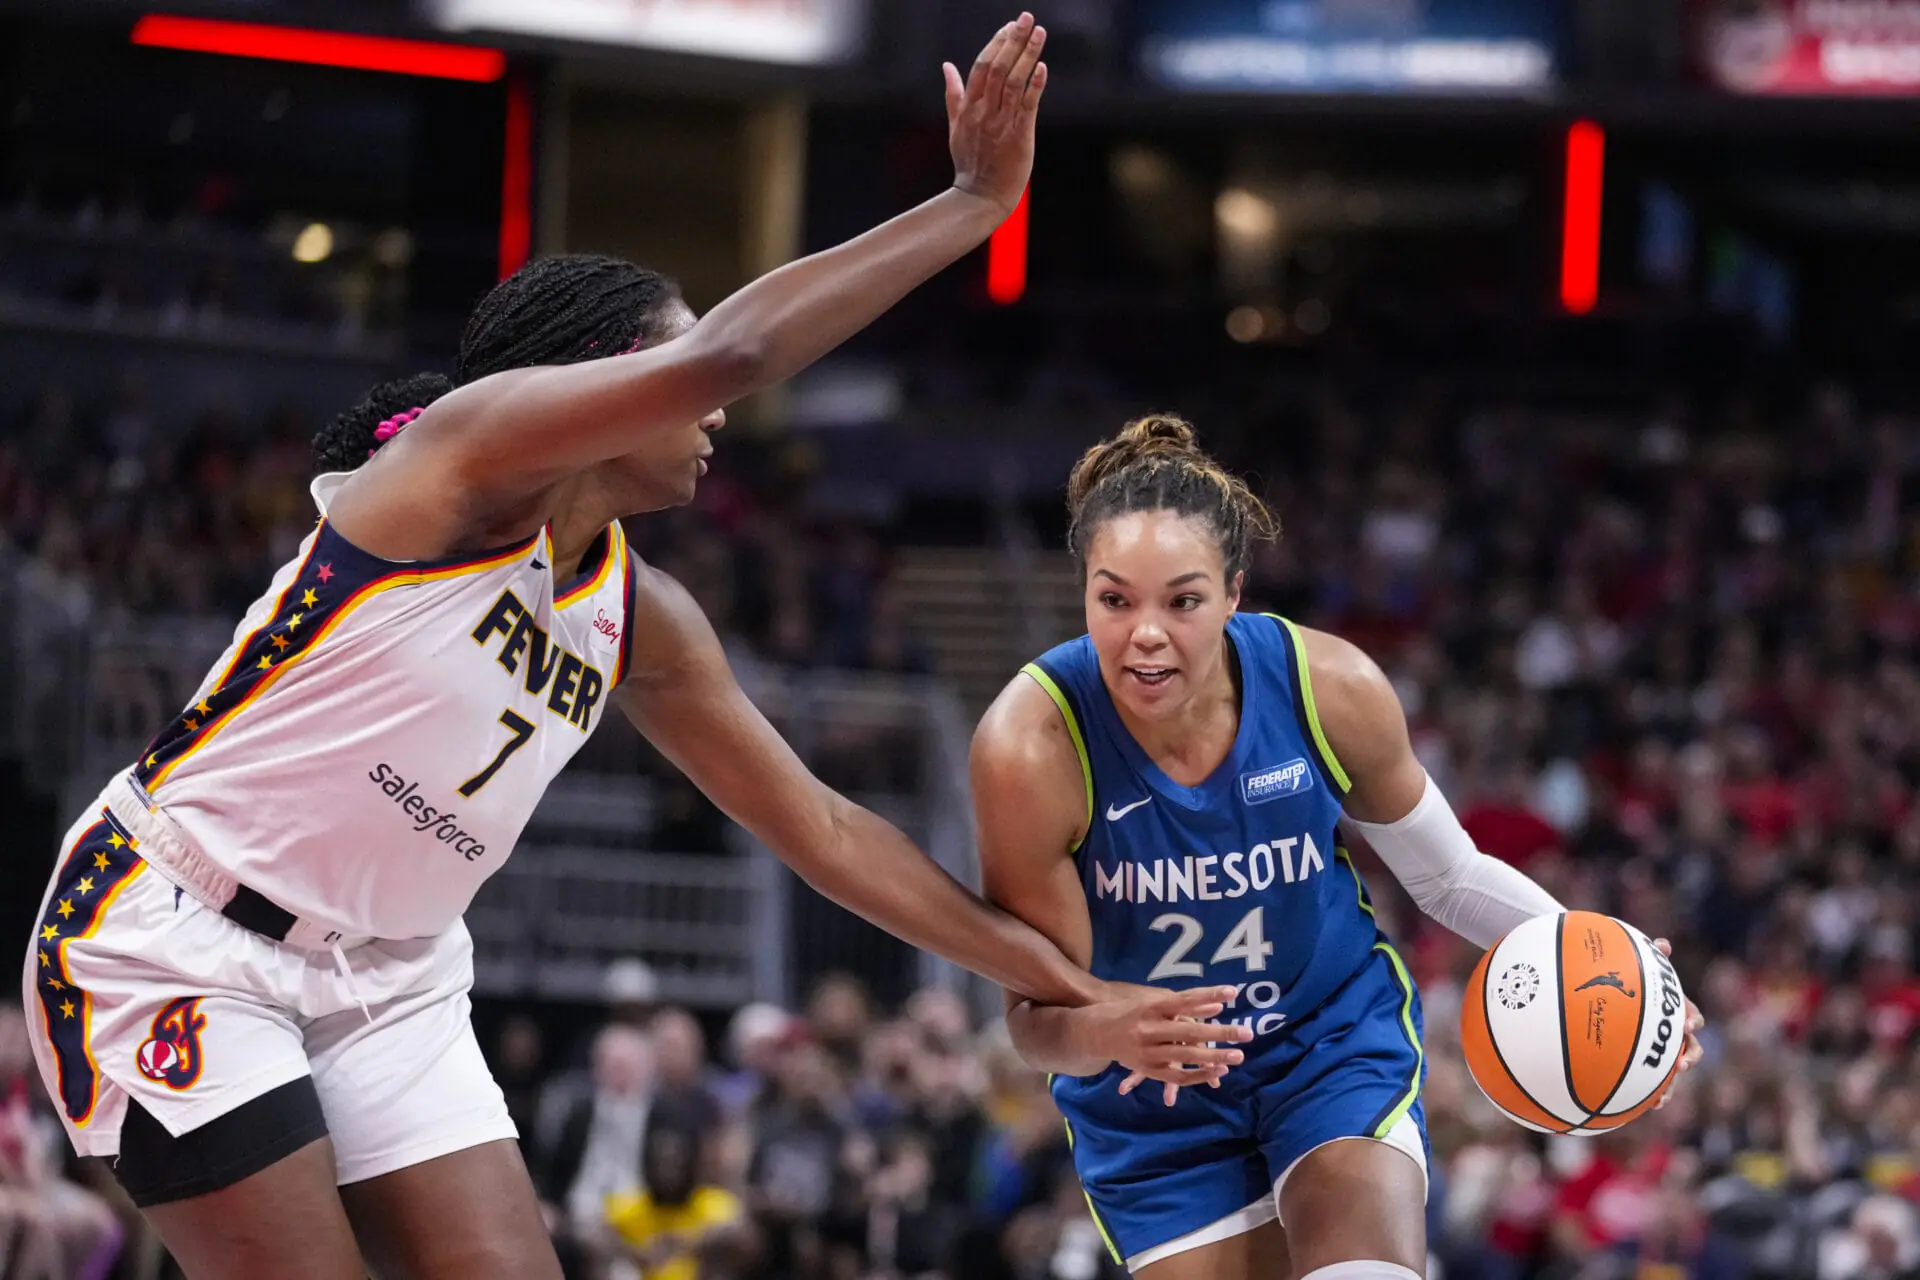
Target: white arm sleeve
{"type": "Point", "coordinates": [1430, 853]}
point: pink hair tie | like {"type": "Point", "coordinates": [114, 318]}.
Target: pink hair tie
{"type": "Point", "coordinates": [391, 427]}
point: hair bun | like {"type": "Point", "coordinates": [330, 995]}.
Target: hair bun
{"type": "Point", "coordinates": [1156, 436]}
{"type": "Point", "coordinates": [349, 439]}
{"type": "Point", "coordinates": [1148, 433]}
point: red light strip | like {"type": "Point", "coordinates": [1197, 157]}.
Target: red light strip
{"type": "Point", "coordinates": [1580, 237]}
{"type": "Point", "coordinates": [516, 182]}
{"type": "Point", "coordinates": [1007, 256]}
{"type": "Point", "coordinates": [324, 48]}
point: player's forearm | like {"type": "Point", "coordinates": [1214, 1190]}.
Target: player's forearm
{"type": "Point", "coordinates": [1047, 1039]}
{"type": "Point", "coordinates": [875, 871]}
{"type": "Point", "coordinates": [791, 317]}
{"type": "Point", "coordinates": [1430, 853]}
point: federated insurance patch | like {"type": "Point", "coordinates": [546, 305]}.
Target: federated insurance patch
{"type": "Point", "coordinates": [1289, 779]}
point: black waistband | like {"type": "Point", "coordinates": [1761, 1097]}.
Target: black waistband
{"type": "Point", "coordinates": [252, 911]}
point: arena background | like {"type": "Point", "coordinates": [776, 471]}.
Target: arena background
{"type": "Point", "coordinates": [1573, 341]}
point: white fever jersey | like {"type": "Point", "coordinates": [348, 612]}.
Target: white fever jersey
{"type": "Point", "coordinates": [368, 750]}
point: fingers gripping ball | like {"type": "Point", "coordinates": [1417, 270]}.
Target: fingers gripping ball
{"type": "Point", "coordinates": [1573, 1023]}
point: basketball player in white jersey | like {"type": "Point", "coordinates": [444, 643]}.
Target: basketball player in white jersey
{"type": "Point", "coordinates": [249, 979]}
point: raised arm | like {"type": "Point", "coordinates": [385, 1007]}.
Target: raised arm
{"type": "Point", "coordinates": [1031, 810]}
{"type": "Point", "coordinates": [491, 446]}
{"type": "Point", "coordinates": [683, 696]}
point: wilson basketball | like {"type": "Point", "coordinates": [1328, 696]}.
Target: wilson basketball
{"type": "Point", "coordinates": [1573, 1023]}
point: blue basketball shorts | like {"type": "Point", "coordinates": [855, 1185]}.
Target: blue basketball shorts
{"type": "Point", "coordinates": [1162, 1179]}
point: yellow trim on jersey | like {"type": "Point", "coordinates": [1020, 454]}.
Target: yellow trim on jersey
{"type": "Point", "coordinates": [240, 650]}
{"type": "Point", "coordinates": [1099, 1226]}
{"type": "Point", "coordinates": [1359, 887]}
{"type": "Point", "coordinates": [1045, 681]}
{"type": "Point", "coordinates": [1406, 1000]}
{"type": "Point", "coordinates": [616, 546]}
{"type": "Point", "coordinates": [399, 578]}
{"type": "Point", "coordinates": [86, 999]}
{"type": "Point", "coordinates": [1413, 1038]}
{"type": "Point", "coordinates": [1304, 679]}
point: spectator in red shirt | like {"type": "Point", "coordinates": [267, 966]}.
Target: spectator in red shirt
{"type": "Point", "coordinates": [1502, 824]}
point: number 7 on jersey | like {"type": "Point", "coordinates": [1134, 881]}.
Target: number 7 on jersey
{"type": "Point", "coordinates": [522, 731]}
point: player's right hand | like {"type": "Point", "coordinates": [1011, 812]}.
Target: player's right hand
{"type": "Point", "coordinates": [990, 117]}
{"type": "Point", "coordinates": [1162, 1035]}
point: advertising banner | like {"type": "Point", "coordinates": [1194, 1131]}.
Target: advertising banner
{"type": "Point", "coordinates": [1840, 47]}
{"type": "Point", "coordinates": [1349, 46]}
{"type": "Point", "coordinates": [793, 32]}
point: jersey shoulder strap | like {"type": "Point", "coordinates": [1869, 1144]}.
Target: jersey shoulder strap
{"type": "Point", "coordinates": [1299, 679]}
{"type": "Point", "coordinates": [1055, 671]}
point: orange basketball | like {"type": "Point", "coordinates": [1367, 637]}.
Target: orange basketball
{"type": "Point", "coordinates": [1573, 1023]}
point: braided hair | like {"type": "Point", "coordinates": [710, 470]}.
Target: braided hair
{"type": "Point", "coordinates": [558, 310]}
{"type": "Point", "coordinates": [1156, 464]}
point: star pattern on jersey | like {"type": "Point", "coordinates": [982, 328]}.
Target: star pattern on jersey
{"type": "Point", "coordinates": [102, 860]}
{"type": "Point", "coordinates": [319, 586]}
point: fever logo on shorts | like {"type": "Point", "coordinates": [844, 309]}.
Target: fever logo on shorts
{"type": "Point", "coordinates": [171, 1055]}
{"type": "Point", "coordinates": [1518, 986]}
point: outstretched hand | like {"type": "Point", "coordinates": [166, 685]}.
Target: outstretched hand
{"type": "Point", "coordinates": [1162, 1035]}
{"type": "Point", "coordinates": [990, 118]}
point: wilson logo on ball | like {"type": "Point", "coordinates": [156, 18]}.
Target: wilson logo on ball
{"type": "Point", "coordinates": [1671, 1002]}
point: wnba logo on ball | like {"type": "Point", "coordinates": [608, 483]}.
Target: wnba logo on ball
{"type": "Point", "coordinates": [171, 1054]}
{"type": "Point", "coordinates": [1518, 986]}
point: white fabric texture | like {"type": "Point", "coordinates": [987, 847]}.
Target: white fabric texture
{"type": "Point", "coordinates": [1363, 1271]}
{"type": "Point", "coordinates": [388, 1042]}
{"type": "Point", "coordinates": [1258, 1214]}
{"type": "Point", "coordinates": [1478, 897]}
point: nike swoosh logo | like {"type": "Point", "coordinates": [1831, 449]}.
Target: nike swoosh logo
{"type": "Point", "coordinates": [1115, 814]}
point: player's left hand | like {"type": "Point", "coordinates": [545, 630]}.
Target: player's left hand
{"type": "Point", "coordinates": [1691, 1051]}
{"type": "Point", "coordinates": [990, 115]}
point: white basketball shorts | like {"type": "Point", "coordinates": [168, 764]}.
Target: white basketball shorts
{"type": "Point", "coordinates": [135, 989]}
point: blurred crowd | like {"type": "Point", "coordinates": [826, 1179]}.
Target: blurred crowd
{"type": "Point", "coordinates": [833, 1143]}
{"type": "Point", "coordinates": [129, 513]}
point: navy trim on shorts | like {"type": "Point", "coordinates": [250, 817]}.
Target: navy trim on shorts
{"type": "Point", "coordinates": [156, 1168]}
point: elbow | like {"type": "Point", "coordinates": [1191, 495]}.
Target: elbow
{"type": "Point", "coordinates": [738, 363]}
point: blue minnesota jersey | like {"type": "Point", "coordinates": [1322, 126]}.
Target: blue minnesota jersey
{"type": "Point", "coordinates": [1239, 880]}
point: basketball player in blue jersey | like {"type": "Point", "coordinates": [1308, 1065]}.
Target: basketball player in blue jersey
{"type": "Point", "coordinates": [1163, 798]}
{"type": "Point", "coordinates": [249, 979]}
